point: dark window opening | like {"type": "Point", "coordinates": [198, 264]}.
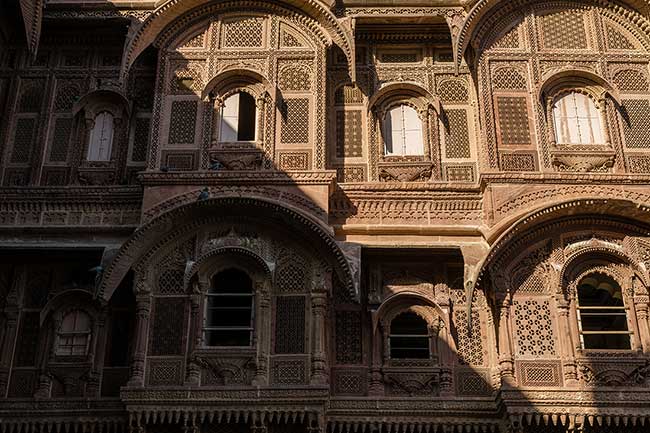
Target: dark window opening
{"type": "Point", "coordinates": [238, 118]}
{"type": "Point", "coordinates": [229, 310]}
{"type": "Point", "coordinates": [409, 337]}
{"type": "Point", "coordinates": [602, 318]}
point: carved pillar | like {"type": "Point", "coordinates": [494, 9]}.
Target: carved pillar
{"type": "Point", "coordinates": [506, 362]}
{"type": "Point", "coordinates": [11, 328]}
{"type": "Point", "coordinates": [93, 385]}
{"type": "Point", "coordinates": [214, 133]}
{"type": "Point", "coordinates": [375, 383]}
{"type": "Point", "coordinates": [641, 309]}
{"type": "Point", "coordinates": [142, 316]}
{"type": "Point", "coordinates": [263, 338]}
{"type": "Point", "coordinates": [193, 375]}
{"type": "Point", "coordinates": [319, 374]}
{"type": "Point", "coordinates": [566, 345]}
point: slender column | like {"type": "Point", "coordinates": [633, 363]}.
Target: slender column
{"type": "Point", "coordinates": [11, 328]}
{"type": "Point", "coordinates": [319, 374]}
{"type": "Point", "coordinates": [214, 134]}
{"type": "Point", "coordinates": [506, 362]}
{"type": "Point", "coordinates": [566, 346]}
{"type": "Point", "coordinates": [142, 316]}
{"type": "Point", "coordinates": [262, 326]}
{"type": "Point", "coordinates": [376, 385]}
{"type": "Point", "coordinates": [641, 308]}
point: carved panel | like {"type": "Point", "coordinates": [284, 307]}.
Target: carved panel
{"type": "Point", "coordinates": [535, 373]}
{"type": "Point", "coordinates": [290, 324]}
{"type": "Point", "coordinates": [288, 371]}
{"type": "Point", "coordinates": [348, 344]}
{"type": "Point", "coordinates": [472, 382]}
{"type": "Point", "coordinates": [168, 327]}
{"type": "Point", "coordinates": [533, 324]}
{"type": "Point", "coordinates": [517, 161]}
{"type": "Point", "coordinates": [349, 382]}
{"type": "Point", "coordinates": [164, 372]}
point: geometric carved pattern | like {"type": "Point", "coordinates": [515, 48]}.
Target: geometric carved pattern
{"type": "Point", "coordinates": [244, 32]}
{"type": "Point", "coordinates": [564, 30]}
{"type": "Point", "coordinates": [470, 344]}
{"type": "Point", "coordinates": [453, 90]}
{"type": "Point", "coordinates": [517, 162]}
{"type": "Point", "coordinates": [165, 372]}
{"type": "Point", "coordinates": [534, 329]}
{"type": "Point", "coordinates": [168, 327]}
{"type": "Point", "coordinates": [31, 96]}
{"type": "Point", "coordinates": [290, 324]}
{"type": "Point", "coordinates": [351, 174]}
{"type": "Point", "coordinates": [508, 79]}
{"type": "Point", "coordinates": [351, 383]}
{"type": "Point", "coordinates": [456, 134]}
{"type": "Point", "coordinates": [295, 121]}
{"type": "Point", "coordinates": [348, 337]}
{"type": "Point", "coordinates": [141, 139]}
{"type": "Point", "coordinates": [636, 122]}
{"type": "Point", "coordinates": [459, 173]}
{"type": "Point", "coordinates": [535, 373]}
{"type": "Point", "coordinates": [182, 122]}
{"type": "Point", "coordinates": [288, 372]}
{"type": "Point", "coordinates": [348, 95]}
{"type": "Point", "coordinates": [60, 139]}
{"type": "Point", "coordinates": [349, 133]}
{"type": "Point", "coordinates": [529, 282]}
{"type": "Point", "coordinates": [631, 80]}
{"type": "Point", "coordinates": [293, 160]}
{"type": "Point", "coordinates": [23, 383]}
{"type": "Point", "coordinates": [295, 78]}
{"type": "Point", "coordinates": [470, 382]}
{"type": "Point", "coordinates": [638, 164]}
{"type": "Point", "coordinates": [290, 278]}
{"type": "Point", "coordinates": [616, 40]}
{"type": "Point", "coordinates": [23, 140]}
{"type": "Point", "coordinates": [170, 282]}
{"type": "Point", "coordinates": [509, 40]}
{"type": "Point", "coordinates": [513, 119]}
{"type": "Point", "coordinates": [179, 160]}
{"type": "Point", "coordinates": [66, 97]}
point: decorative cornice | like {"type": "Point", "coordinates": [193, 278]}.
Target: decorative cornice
{"type": "Point", "coordinates": [325, 177]}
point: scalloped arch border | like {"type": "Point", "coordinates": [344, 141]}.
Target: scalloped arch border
{"type": "Point", "coordinates": [637, 11]}
{"type": "Point", "coordinates": [172, 10]}
{"type": "Point", "coordinates": [182, 219]}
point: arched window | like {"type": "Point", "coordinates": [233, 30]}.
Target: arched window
{"type": "Point", "coordinates": [577, 120]}
{"type": "Point", "coordinates": [409, 337]}
{"type": "Point", "coordinates": [403, 132]}
{"type": "Point", "coordinates": [238, 118]}
{"type": "Point", "coordinates": [228, 319]}
{"type": "Point", "coordinates": [74, 334]}
{"type": "Point", "coordinates": [101, 138]}
{"type": "Point", "coordinates": [602, 319]}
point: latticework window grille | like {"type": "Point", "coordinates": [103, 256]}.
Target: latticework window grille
{"type": "Point", "coordinates": [630, 80]}
{"type": "Point", "coordinates": [470, 343]}
{"type": "Point", "coordinates": [453, 91]}
{"type": "Point", "coordinates": [513, 119]}
{"type": "Point", "coordinates": [534, 334]}
{"type": "Point", "coordinates": [517, 162]}
{"type": "Point", "coordinates": [295, 121]}
{"type": "Point", "coordinates": [23, 140]}
{"type": "Point", "coordinates": [348, 337]}
{"type": "Point", "coordinates": [245, 32]}
{"type": "Point", "coordinates": [66, 97]}
{"type": "Point", "coordinates": [456, 134]}
{"type": "Point", "coordinates": [290, 324]}
{"type": "Point", "coordinates": [168, 327]}
{"type": "Point", "coordinates": [61, 139]}
{"type": "Point", "coordinates": [509, 40]}
{"type": "Point", "coordinates": [31, 96]}
{"type": "Point", "coordinates": [291, 278]}
{"type": "Point", "coordinates": [617, 40]}
{"type": "Point", "coordinates": [636, 120]}
{"type": "Point", "coordinates": [349, 134]}
{"type": "Point", "coordinates": [564, 30]}
{"type": "Point", "coordinates": [170, 281]}
{"type": "Point", "coordinates": [639, 164]}
{"type": "Point", "coordinates": [509, 79]}
{"type": "Point", "coordinates": [140, 139]}
{"type": "Point", "coordinates": [182, 123]}
{"type": "Point", "coordinates": [295, 78]}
